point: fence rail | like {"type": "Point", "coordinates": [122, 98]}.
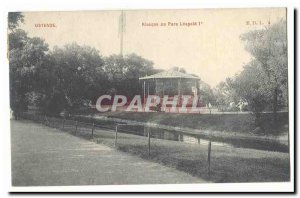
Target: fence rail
{"type": "Point", "coordinates": [74, 126]}
{"type": "Point", "coordinates": [203, 159]}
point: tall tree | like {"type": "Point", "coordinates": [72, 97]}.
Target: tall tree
{"type": "Point", "coordinates": [225, 94]}
{"type": "Point", "coordinates": [253, 86]}
{"type": "Point", "coordinates": [76, 69]}
{"type": "Point", "coordinates": [14, 20]}
{"type": "Point", "coordinates": [26, 55]}
{"type": "Point", "coordinates": [206, 94]}
{"type": "Point", "coordinates": [124, 72]}
{"type": "Point", "coordinates": [24, 62]}
{"type": "Point", "coordinates": [269, 48]}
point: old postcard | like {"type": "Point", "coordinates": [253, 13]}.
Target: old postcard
{"type": "Point", "coordinates": [132, 97]}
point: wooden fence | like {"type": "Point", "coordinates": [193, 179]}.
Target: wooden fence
{"type": "Point", "coordinates": [60, 123]}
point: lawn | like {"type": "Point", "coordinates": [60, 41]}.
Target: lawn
{"type": "Point", "coordinates": [236, 129]}
{"type": "Point", "coordinates": [228, 164]}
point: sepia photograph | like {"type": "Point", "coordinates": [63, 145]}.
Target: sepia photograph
{"type": "Point", "coordinates": [133, 97]}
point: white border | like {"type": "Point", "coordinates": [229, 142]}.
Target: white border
{"type": "Point", "coordinates": [38, 5]}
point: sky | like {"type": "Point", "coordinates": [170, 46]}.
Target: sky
{"type": "Point", "coordinates": [212, 49]}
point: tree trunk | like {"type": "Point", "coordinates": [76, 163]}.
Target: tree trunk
{"type": "Point", "coordinates": [275, 107]}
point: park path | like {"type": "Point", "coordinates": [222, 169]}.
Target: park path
{"type": "Point", "coordinates": [43, 156]}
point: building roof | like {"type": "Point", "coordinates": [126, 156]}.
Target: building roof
{"type": "Point", "coordinates": [169, 74]}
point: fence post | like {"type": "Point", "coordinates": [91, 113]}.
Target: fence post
{"type": "Point", "coordinates": [64, 123]}
{"type": "Point", "coordinates": [93, 130]}
{"type": "Point", "coordinates": [148, 141]}
{"type": "Point", "coordinates": [208, 158]}
{"type": "Point", "coordinates": [116, 135]}
{"type": "Point", "coordinates": [76, 127]}
{"type": "Point", "coordinates": [198, 140]}
{"type": "Point", "coordinates": [46, 120]}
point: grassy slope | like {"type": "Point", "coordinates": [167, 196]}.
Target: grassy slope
{"type": "Point", "coordinates": [228, 164]}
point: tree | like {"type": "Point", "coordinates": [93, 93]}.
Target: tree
{"type": "Point", "coordinates": [136, 67]}
{"type": "Point", "coordinates": [225, 95]}
{"type": "Point", "coordinates": [124, 72]}
{"type": "Point", "coordinates": [206, 94]}
{"type": "Point", "coordinates": [269, 49]}
{"type": "Point", "coordinates": [77, 69]}
{"type": "Point", "coordinates": [24, 60]}
{"type": "Point", "coordinates": [14, 20]}
{"type": "Point", "coordinates": [180, 69]}
{"type": "Point", "coordinates": [26, 56]}
{"type": "Point", "coordinates": [17, 39]}
{"type": "Point", "coordinates": [252, 86]}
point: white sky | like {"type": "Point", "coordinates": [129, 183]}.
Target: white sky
{"type": "Point", "coordinates": [212, 50]}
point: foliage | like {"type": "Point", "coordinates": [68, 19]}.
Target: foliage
{"type": "Point", "coordinates": [263, 81]}
{"type": "Point", "coordinates": [206, 94]}
{"type": "Point", "coordinates": [269, 49]}
{"type": "Point", "coordinates": [124, 72]}
{"type": "Point", "coordinates": [26, 55]}
{"type": "Point", "coordinates": [73, 76]}
{"type": "Point", "coordinates": [225, 95]}
{"type": "Point", "coordinates": [73, 72]}
{"type": "Point", "coordinates": [14, 19]}
{"type": "Point", "coordinates": [69, 77]}
{"type": "Point", "coordinates": [252, 85]}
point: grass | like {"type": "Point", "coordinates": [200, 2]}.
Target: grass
{"type": "Point", "coordinates": [228, 164]}
{"type": "Point", "coordinates": [234, 129]}
{"type": "Point", "coordinates": [239, 123]}
{"type": "Point", "coordinates": [236, 139]}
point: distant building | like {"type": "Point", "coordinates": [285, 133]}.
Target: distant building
{"type": "Point", "coordinates": [170, 83]}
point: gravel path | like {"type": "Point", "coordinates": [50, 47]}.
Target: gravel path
{"type": "Point", "coordinates": [43, 156]}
